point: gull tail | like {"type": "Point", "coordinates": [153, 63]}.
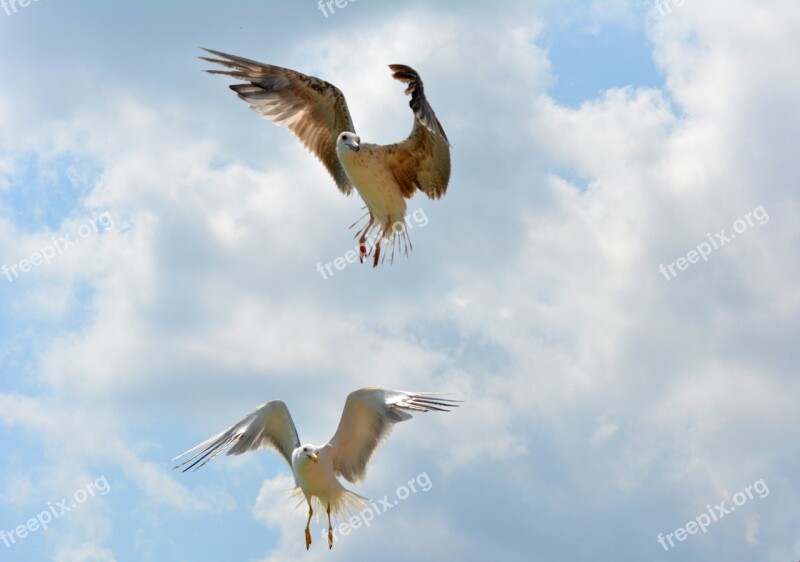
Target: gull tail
{"type": "Point", "coordinates": [372, 237]}
{"type": "Point", "coordinates": [344, 503]}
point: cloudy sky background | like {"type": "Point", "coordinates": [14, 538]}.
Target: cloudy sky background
{"type": "Point", "coordinates": [592, 142]}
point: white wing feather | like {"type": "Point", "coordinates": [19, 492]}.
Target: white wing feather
{"type": "Point", "coordinates": [367, 419]}
{"type": "Point", "coordinates": [269, 426]}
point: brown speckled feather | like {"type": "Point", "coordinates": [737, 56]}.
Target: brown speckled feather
{"type": "Point", "coordinates": [313, 109]}
{"type": "Point", "coordinates": [384, 175]}
{"type": "Point", "coordinates": [422, 161]}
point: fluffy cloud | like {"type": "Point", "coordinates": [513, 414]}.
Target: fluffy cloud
{"type": "Point", "coordinates": [590, 380]}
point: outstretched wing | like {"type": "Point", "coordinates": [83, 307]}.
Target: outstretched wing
{"type": "Point", "coordinates": [422, 161]}
{"type": "Point", "coordinates": [269, 426]}
{"type": "Point", "coordinates": [367, 419]}
{"type": "Point", "coordinates": [313, 109]}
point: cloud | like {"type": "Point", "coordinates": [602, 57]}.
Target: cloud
{"type": "Point", "coordinates": [751, 532]}
{"type": "Point", "coordinates": [534, 292]}
{"type": "Point", "coordinates": [87, 552]}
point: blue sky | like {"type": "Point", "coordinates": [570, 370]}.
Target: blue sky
{"type": "Point", "coordinates": [617, 387]}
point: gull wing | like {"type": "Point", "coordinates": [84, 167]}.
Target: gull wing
{"type": "Point", "coordinates": [313, 109]}
{"type": "Point", "coordinates": [422, 161]}
{"type": "Point", "coordinates": [367, 419]}
{"type": "Point", "coordinates": [270, 426]}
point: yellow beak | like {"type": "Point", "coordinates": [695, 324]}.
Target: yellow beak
{"type": "Point", "coordinates": [314, 457]}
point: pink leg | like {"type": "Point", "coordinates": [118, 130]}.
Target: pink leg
{"type": "Point", "coordinates": [362, 241]}
{"type": "Point", "coordinates": [330, 528]}
{"type": "Point", "coordinates": [377, 252]}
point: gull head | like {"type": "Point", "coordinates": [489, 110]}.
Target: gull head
{"type": "Point", "coordinates": [305, 454]}
{"type": "Point", "coordinates": [348, 141]}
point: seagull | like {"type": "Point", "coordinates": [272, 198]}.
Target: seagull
{"type": "Point", "coordinates": [316, 112]}
{"type": "Point", "coordinates": [367, 419]}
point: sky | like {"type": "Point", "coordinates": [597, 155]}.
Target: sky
{"type": "Point", "coordinates": [610, 283]}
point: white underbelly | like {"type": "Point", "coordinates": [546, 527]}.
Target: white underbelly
{"type": "Point", "coordinates": [377, 187]}
{"type": "Point", "coordinates": [316, 482]}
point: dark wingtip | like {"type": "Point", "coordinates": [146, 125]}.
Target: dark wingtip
{"type": "Point", "coordinates": [213, 52]}
{"type": "Point", "coordinates": [405, 73]}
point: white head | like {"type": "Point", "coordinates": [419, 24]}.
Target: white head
{"type": "Point", "coordinates": [348, 141]}
{"type": "Point", "coordinates": [305, 454]}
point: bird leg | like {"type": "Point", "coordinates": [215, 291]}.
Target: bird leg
{"type": "Point", "coordinates": [330, 528]}
{"type": "Point", "coordinates": [377, 252]}
{"type": "Point", "coordinates": [308, 524]}
{"type": "Point", "coordinates": [362, 241]}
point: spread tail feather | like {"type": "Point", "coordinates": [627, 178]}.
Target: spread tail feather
{"type": "Point", "coordinates": [344, 503]}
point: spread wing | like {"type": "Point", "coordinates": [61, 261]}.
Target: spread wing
{"type": "Point", "coordinates": [422, 161]}
{"type": "Point", "coordinates": [313, 109]}
{"type": "Point", "coordinates": [367, 419]}
{"type": "Point", "coordinates": [269, 426]}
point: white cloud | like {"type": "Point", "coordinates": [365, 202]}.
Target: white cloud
{"type": "Point", "coordinates": [751, 530]}
{"type": "Point", "coordinates": [605, 429]}
{"type": "Point", "coordinates": [86, 552]}
{"type": "Point", "coordinates": [534, 292]}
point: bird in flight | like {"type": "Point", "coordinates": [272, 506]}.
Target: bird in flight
{"type": "Point", "coordinates": [316, 112]}
{"type": "Point", "coordinates": [367, 419]}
